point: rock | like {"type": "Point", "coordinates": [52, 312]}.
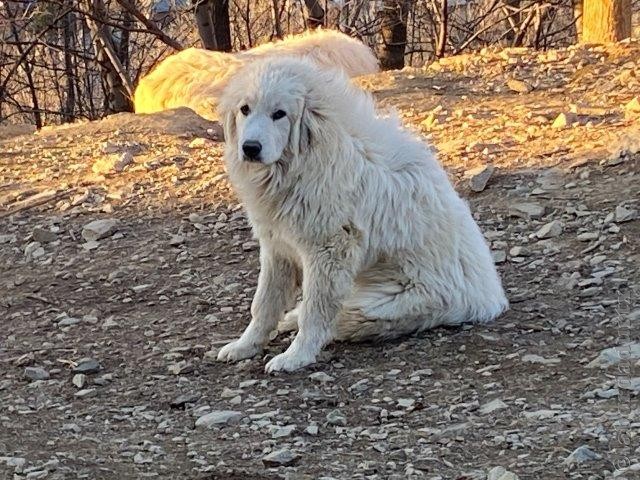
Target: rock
{"type": "Point", "coordinates": [33, 250]}
{"type": "Point", "coordinates": [492, 406]}
{"type": "Point", "coordinates": [633, 106]}
{"type": "Point", "coordinates": [99, 229]}
{"type": "Point", "coordinates": [14, 462]}
{"type": "Point", "coordinates": [582, 454]}
{"type": "Point", "coordinates": [336, 417]}
{"type": "Point", "coordinates": [87, 365]}
{"type": "Point", "coordinates": [406, 402]}
{"type": "Point", "coordinates": [280, 432]}
{"type": "Point", "coordinates": [550, 230]}
{"type": "Point", "coordinates": [139, 458]}
{"type": "Point", "coordinates": [499, 256]}
{"type": "Point", "coordinates": [564, 120]}
{"type": "Point", "coordinates": [176, 240]}
{"type": "Point", "coordinates": [518, 86]}
{"type": "Point", "coordinates": [43, 236]}
{"type": "Point", "coordinates": [79, 380]}
{"type": "Point", "coordinates": [527, 210]}
{"type": "Point", "coordinates": [36, 373]}
{"type": "Point", "coordinates": [623, 214]}
{"type": "Point", "coordinates": [532, 358]}
{"type": "Point", "coordinates": [588, 236]}
{"type": "Point", "coordinates": [200, 142]}
{"type": "Point", "coordinates": [280, 458]}
{"type": "Point", "coordinates": [478, 177]}
{"type": "Point", "coordinates": [124, 161]}
{"type": "Point", "coordinates": [499, 473]}
{"type": "Point", "coordinates": [321, 377]}
{"type": "Point", "coordinates": [219, 418]}
{"type": "Point", "coordinates": [181, 400]}
{"type": "Point", "coordinates": [543, 414]}
{"type": "Point", "coordinates": [180, 368]}
{"type": "Point", "coordinates": [614, 355]}
{"type": "Point", "coordinates": [87, 392]}
{"type": "Point", "coordinates": [312, 430]}
{"type": "Point", "coordinates": [519, 251]}
{"type": "Point", "coordinates": [627, 383]}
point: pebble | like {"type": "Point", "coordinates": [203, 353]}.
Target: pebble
{"type": "Point", "coordinates": [79, 380]}
{"type": "Point", "coordinates": [479, 177]}
{"type": "Point", "coordinates": [99, 229]}
{"type": "Point", "coordinates": [527, 210]}
{"type": "Point", "coordinates": [36, 373]}
{"type": "Point", "coordinates": [87, 392]}
{"type": "Point", "coordinates": [582, 454]}
{"type": "Point", "coordinates": [321, 377]}
{"type": "Point", "coordinates": [532, 358]}
{"type": "Point", "coordinates": [43, 236]}
{"type": "Point", "coordinates": [564, 120]}
{"type": "Point", "coordinates": [219, 418]}
{"type": "Point", "coordinates": [614, 355]}
{"type": "Point", "coordinates": [550, 230]}
{"type": "Point", "coordinates": [87, 365]}
{"type": "Point", "coordinates": [519, 86]}
{"type": "Point", "coordinates": [623, 214]}
{"type": "Point", "coordinates": [280, 458]}
{"type": "Point", "coordinates": [492, 406]}
{"type": "Point", "coordinates": [500, 473]}
{"type": "Point", "coordinates": [336, 417]}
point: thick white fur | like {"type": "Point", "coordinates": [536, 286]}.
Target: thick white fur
{"type": "Point", "coordinates": [352, 207]}
{"type": "Point", "coordinates": [195, 77]}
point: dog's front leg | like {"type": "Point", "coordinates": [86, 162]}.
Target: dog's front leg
{"type": "Point", "coordinates": [327, 280]}
{"type": "Point", "coordinates": [277, 284]}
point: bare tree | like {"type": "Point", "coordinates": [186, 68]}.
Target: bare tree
{"type": "Point", "coordinates": [315, 14]}
{"type": "Point", "coordinates": [212, 18]}
{"type": "Point", "coordinates": [393, 30]}
{"type": "Point", "coordinates": [606, 20]}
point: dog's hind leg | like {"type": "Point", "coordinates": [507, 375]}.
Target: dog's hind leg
{"type": "Point", "coordinates": [277, 288]}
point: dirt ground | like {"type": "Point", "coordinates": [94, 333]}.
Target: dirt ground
{"type": "Point", "coordinates": [108, 336]}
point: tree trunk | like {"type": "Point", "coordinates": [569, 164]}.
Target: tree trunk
{"type": "Point", "coordinates": [212, 18]}
{"type": "Point", "coordinates": [513, 22]}
{"type": "Point", "coordinates": [118, 86]}
{"type": "Point", "coordinates": [315, 14]}
{"type": "Point", "coordinates": [393, 28]}
{"type": "Point", "coordinates": [577, 17]}
{"type": "Point", "coordinates": [442, 31]}
{"type": "Point", "coordinates": [68, 30]}
{"type": "Point", "coordinates": [606, 20]}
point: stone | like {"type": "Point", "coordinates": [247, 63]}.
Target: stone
{"type": "Point", "coordinates": [198, 143]}
{"type": "Point", "coordinates": [532, 358]}
{"type": "Point", "coordinates": [493, 406]}
{"type": "Point", "coordinates": [336, 417]}
{"type": "Point", "coordinates": [527, 210]}
{"type": "Point", "coordinates": [623, 214]}
{"type": "Point", "coordinates": [499, 473]}
{"type": "Point", "coordinates": [312, 430]}
{"type": "Point", "coordinates": [280, 432]}
{"type": "Point", "coordinates": [181, 400]}
{"type": "Point", "coordinates": [582, 454]}
{"type": "Point", "coordinates": [219, 418]}
{"type": "Point", "coordinates": [36, 373]}
{"type": "Point", "coordinates": [87, 365]}
{"type": "Point", "coordinates": [518, 86]}
{"type": "Point", "coordinates": [87, 392]}
{"type": "Point", "coordinates": [99, 229]}
{"type": "Point", "coordinates": [140, 458]}
{"type": "Point", "coordinates": [588, 236]}
{"type": "Point", "coordinates": [499, 256]}
{"type": "Point", "coordinates": [629, 383]}
{"type": "Point", "coordinates": [280, 458]}
{"type": "Point", "coordinates": [633, 106]}
{"type": "Point", "coordinates": [479, 177]}
{"type": "Point", "coordinates": [321, 377]}
{"type": "Point", "coordinates": [43, 236]}
{"type": "Point", "coordinates": [614, 355]}
{"type": "Point", "coordinates": [124, 161]}
{"type": "Point", "coordinates": [33, 250]}
{"type": "Point", "coordinates": [79, 380]}
{"type": "Point", "coordinates": [564, 120]}
{"type": "Point", "coordinates": [550, 230]}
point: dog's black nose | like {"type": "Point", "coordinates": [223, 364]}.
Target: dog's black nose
{"type": "Point", "coordinates": [252, 149]}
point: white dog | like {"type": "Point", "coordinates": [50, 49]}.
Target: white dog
{"type": "Point", "coordinates": [195, 77]}
{"type": "Point", "coordinates": [353, 207]}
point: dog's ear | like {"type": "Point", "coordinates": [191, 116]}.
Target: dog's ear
{"type": "Point", "coordinates": [305, 129]}
{"type": "Point", "coordinates": [229, 125]}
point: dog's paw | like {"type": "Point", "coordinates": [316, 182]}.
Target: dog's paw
{"type": "Point", "coordinates": [288, 362]}
{"type": "Point", "coordinates": [238, 350]}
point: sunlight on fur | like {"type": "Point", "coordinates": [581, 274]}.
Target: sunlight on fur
{"type": "Point", "coordinates": [195, 77]}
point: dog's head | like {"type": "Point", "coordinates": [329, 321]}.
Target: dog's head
{"type": "Point", "coordinates": [272, 111]}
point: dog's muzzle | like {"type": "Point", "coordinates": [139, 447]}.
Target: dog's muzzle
{"type": "Point", "coordinates": [251, 150]}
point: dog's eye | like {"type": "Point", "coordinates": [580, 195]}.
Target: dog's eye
{"type": "Point", "coordinates": [245, 110]}
{"type": "Point", "coordinates": [278, 114]}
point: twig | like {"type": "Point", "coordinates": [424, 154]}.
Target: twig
{"type": "Point", "coordinates": [36, 200]}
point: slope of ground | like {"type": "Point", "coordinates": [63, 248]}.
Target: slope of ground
{"type": "Point", "coordinates": [108, 338]}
